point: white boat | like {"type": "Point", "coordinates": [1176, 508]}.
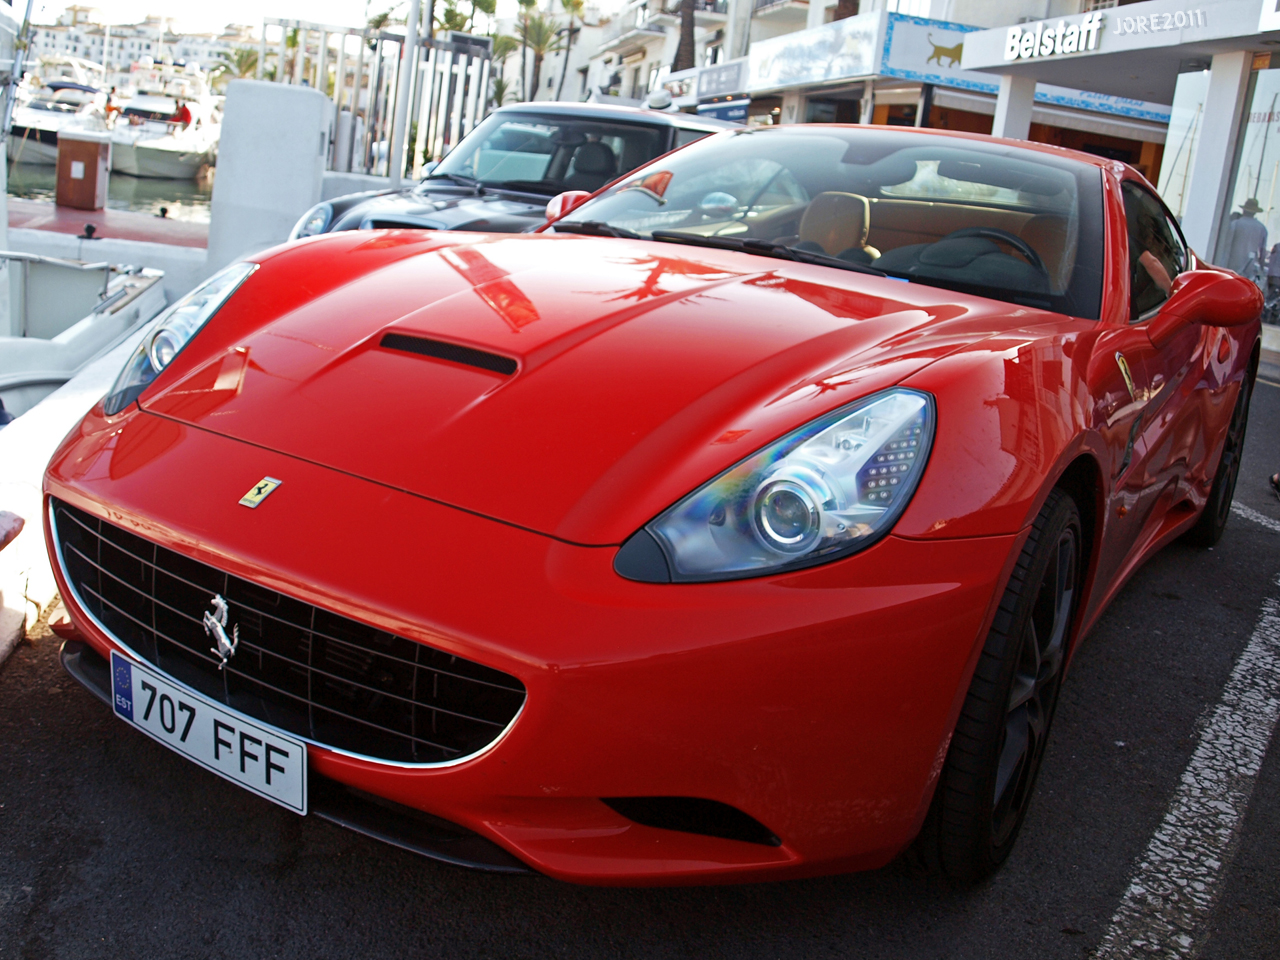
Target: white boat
{"type": "Point", "coordinates": [58, 92]}
{"type": "Point", "coordinates": [148, 139]}
{"type": "Point", "coordinates": [63, 314]}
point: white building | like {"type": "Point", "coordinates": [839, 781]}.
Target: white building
{"type": "Point", "coordinates": [117, 46]}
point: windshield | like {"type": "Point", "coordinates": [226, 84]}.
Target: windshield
{"type": "Point", "coordinates": [1000, 221]}
{"type": "Point", "coordinates": [551, 154]}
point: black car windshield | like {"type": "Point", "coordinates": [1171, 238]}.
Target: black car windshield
{"type": "Point", "coordinates": [545, 153]}
{"type": "Point", "coordinates": [1004, 222]}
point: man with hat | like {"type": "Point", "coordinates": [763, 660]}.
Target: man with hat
{"type": "Point", "coordinates": [1246, 238]}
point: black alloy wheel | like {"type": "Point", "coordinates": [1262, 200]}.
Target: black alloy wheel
{"type": "Point", "coordinates": [1217, 509]}
{"type": "Point", "coordinates": [986, 784]}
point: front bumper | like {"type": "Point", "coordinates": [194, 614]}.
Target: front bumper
{"type": "Point", "coordinates": [819, 703]}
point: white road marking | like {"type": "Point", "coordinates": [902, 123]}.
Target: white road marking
{"type": "Point", "coordinates": [1248, 513]}
{"type": "Point", "coordinates": [1180, 874]}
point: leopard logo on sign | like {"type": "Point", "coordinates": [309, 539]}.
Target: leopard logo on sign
{"type": "Point", "coordinates": [215, 625]}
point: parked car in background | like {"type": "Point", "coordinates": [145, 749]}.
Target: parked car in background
{"type": "Point", "coordinates": [500, 176]}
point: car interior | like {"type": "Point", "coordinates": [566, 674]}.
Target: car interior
{"type": "Point", "coordinates": [940, 214]}
{"type": "Point", "coordinates": [547, 158]}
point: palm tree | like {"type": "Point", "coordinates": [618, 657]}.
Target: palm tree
{"type": "Point", "coordinates": [525, 7]}
{"type": "Point", "coordinates": [539, 34]}
{"type": "Point", "coordinates": [236, 65]}
{"type": "Point", "coordinates": [574, 9]}
{"type": "Point", "coordinates": [684, 58]}
{"type": "Point", "coordinates": [501, 90]}
{"type": "Point", "coordinates": [503, 47]}
{"type": "Point", "coordinates": [487, 7]}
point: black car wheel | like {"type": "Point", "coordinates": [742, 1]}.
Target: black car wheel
{"type": "Point", "coordinates": [1217, 509]}
{"type": "Point", "coordinates": [986, 783]}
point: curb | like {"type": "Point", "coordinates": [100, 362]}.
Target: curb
{"type": "Point", "coordinates": [1271, 337]}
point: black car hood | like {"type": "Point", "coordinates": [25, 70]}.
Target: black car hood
{"type": "Point", "coordinates": [447, 207]}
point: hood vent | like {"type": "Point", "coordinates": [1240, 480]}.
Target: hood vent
{"type": "Point", "coordinates": [453, 352]}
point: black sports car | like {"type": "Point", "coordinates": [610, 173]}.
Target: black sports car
{"type": "Point", "coordinates": [500, 176]}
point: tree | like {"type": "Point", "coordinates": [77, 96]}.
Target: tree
{"type": "Point", "coordinates": [574, 9]}
{"type": "Point", "coordinates": [846, 9]}
{"type": "Point", "coordinates": [501, 90]}
{"type": "Point", "coordinates": [487, 7]}
{"type": "Point", "coordinates": [684, 59]}
{"type": "Point", "coordinates": [503, 47]}
{"type": "Point", "coordinates": [525, 7]}
{"type": "Point", "coordinates": [237, 64]}
{"type": "Point", "coordinates": [452, 18]}
{"type": "Point", "coordinates": [539, 34]}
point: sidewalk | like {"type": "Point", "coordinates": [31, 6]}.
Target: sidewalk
{"type": "Point", "coordinates": [108, 224]}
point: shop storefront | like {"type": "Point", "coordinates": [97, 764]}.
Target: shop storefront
{"type": "Point", "coordinates": [889, 68]}
{"type": "Point", "coordinates": [1220, 165]}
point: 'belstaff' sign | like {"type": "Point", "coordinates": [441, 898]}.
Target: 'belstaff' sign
{"type": "Point", "coordinates": [1055, 40]}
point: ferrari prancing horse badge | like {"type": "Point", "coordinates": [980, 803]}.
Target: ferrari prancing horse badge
{"type": "Point", "coordinates": [259, 491]}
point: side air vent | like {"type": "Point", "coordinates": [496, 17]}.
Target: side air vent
{"type": "Point", "coordinates": [711, 818]}
{"type": "Point", "coordinates": [453, 352]}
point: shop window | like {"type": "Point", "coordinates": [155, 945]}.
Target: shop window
{"type": "Point", "coordinates": [1251, 216]}
{"type": "Point", "coordinates": [1156, 252]}
{"type": "Point", "coordinates": [831, 111]}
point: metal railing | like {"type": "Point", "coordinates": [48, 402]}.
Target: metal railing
{"type": "Point", "coordinates": [672, 7]}
{"type": "Point", "coordinates": [630, 21]}
{"type": "Point", "coordinates": [360, 71]}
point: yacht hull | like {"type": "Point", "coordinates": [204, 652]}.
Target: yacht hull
{"type": "Point", "coordinates": [33, 145]}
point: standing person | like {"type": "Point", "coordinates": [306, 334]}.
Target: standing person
{"type": "Point", "coordinates": [183, 116]}
{"type": "Point", "coordinates": [1246, 238]}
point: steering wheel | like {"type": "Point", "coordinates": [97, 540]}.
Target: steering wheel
{"type": "Point", "coordinates": [1013, 240]}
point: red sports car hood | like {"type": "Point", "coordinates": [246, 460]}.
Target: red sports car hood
{"type": "Point", "coordinates": [599, 381]}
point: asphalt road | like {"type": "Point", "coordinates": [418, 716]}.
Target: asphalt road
{"type": "Point", "coordinates": [111, 846]}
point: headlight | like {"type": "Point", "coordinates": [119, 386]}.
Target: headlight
{"type": "Point", "coordinates": [170, 333]}
{"type": "Point", "coordinates": [826, 490]}
{"type": "Point", "coordinates": [316, 220]}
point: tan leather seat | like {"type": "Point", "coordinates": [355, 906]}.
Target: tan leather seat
{"type": "Point", "coordinates": [1047, 235]}
{"type": "Point", "coordinates": [837, 222]}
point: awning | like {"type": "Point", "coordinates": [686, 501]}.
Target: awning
{"type": "Point", "coordinates": [1055, 116]}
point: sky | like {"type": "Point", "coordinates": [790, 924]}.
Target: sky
{"type": "Point", "coordinates": [190, 17]}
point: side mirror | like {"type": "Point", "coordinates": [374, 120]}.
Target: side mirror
{"type": "Point", "coordinates": [562, 203]}
{"type": "Point", "coordinates": [429, 166]}
{"type": "Point", "coordinates": [1212, 297]}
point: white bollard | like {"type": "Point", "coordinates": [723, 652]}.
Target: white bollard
{"type": "Point", "coordinates": [271, 161]}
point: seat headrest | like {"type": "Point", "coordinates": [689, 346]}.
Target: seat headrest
{"type": "Point", "coordinates": [836, 221]}
{"type": "Point", "coordinates": [594, 157]}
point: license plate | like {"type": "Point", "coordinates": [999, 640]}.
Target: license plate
{"type": "Point", "coordinates": [271, 764]}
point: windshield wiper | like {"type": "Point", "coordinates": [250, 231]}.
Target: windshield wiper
{"type": "Point", "coordinates": [593, 228]}
{"type": "Point", "coordinates": [548, 187]}
{"type": "Point", "coordinates": [765, 248]}
{"type": "Point", "coordinates": [458, 179]}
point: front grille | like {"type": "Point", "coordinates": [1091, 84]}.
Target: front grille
{"type": "Point", "coordinates": [303, 669]}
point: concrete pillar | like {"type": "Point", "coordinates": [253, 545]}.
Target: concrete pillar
{"type": "Point", "coordinates": [271, 160]}
{"type": "Point", "coordinates": [1013, 106]}
{"type": "Point", "coordinates": [1206, 191]}
{"type": "Point", "coordinates": [793, 105]}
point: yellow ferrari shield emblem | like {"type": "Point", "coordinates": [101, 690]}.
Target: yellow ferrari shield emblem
{"type": "Point", "coordinates": [259, 491]}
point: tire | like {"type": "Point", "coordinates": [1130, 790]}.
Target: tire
{"type": "Point", "coordinates": [986, 783]}
{"type": "Point", "coordinates": [1217, 508]}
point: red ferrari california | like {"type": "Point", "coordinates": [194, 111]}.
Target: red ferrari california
{"type": "Point", "coordinates": [740, 526]}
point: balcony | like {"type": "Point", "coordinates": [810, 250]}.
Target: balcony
{"type": "Point", "coordinates": [706, 13]}
{"type": "Point", "coordinates": [633, 26]}
{"type": "Point", "coordinates": [782, 11]}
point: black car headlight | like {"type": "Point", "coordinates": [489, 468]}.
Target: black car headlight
{"type": "Point", "coordinates": [828, 489]}
{"type": "Point", "coordinates": [171, 331]}
{"type": "Point", "coordinates": [314, 221]}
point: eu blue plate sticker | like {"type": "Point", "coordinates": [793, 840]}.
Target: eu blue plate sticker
{"type": "Point", "coordinates": [122, 681]}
